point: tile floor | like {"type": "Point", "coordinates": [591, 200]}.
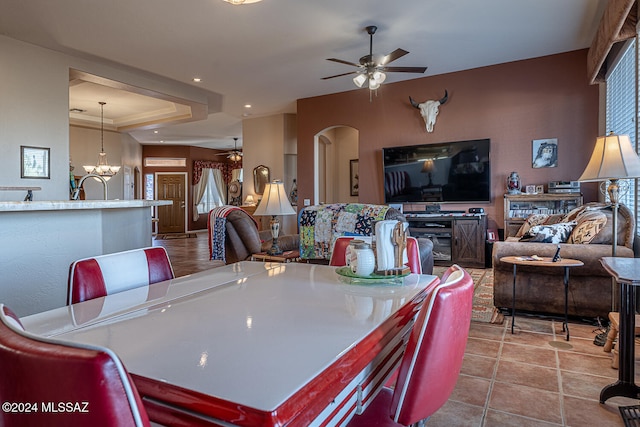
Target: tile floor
{"type": "Point", "coordinates": [533, 378]}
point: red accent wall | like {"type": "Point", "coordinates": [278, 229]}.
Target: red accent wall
{"type": "Point", "coordinates": [512, 104]}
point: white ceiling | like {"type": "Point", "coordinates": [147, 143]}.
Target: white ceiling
{"type": "Point", "coordinates": [270, 54]}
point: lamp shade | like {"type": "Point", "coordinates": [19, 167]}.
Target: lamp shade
{"type": "Point", "coordinates": [274, 200]}
{"type": "Point", "coordinates": [249, 200]}
{"type": "Point", "coordinates": [613, 158]}
{"type": "Point", "coordinates": [428, 166]}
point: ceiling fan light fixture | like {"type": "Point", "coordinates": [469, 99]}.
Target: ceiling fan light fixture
{"type": "Point", "coordinates": [373, 84]}
{"type": "Point", "coordinates": [359, 80]}
{"type": "Point", "coordinates": [234, 157]}
{"type": "Point", "coordinates": [379, 77]}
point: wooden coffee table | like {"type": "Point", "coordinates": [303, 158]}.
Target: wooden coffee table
{"type": "Point", "coordinates": [565, 263]}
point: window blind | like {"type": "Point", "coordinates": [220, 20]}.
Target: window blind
{"type": "Point", "coordinates": [621, 111]}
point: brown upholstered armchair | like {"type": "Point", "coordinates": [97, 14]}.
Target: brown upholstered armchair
{"type": "Point", "coordinates": [242, 238]}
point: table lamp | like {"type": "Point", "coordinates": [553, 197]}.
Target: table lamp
{"type": "Point", "coordinates": [429, 167]}
{"type": "Point", "coordinates": [613, 159]}
{"type": "Point", "coordinates": [249, 200]}
{"type": "Point", "coordinates": [274, 202]}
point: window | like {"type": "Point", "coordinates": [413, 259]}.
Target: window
{"type": "Point", "coordinates": [211, 196]}
{"type": "Point", "coordinates": [148, 186]}
{"type": "Point", "coordinates": [621, 112]}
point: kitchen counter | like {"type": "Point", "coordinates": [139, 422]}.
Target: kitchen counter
{"type": "Point", "coordinates": [57, 205]}
{"type": "Point", "coordinates": [39, 240]}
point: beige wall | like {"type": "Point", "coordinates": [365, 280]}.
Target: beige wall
{"type": "Point", "coordinates": [34, 111]}
{"type": "Point", "coordinates": [121, 149]}
{"type": "Point", "coordinates": [512, 104]}
{"type": "Point", "coordinates": [270, 141]}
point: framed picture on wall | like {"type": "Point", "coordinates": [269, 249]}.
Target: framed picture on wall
{"type": "Point", "coordinates": [544, 153]}
{"type": "Point", "coordinates": [34, 162]}
{"type": "Point", "coordinates": [353, 176]}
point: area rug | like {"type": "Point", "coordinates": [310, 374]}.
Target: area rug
{"type": "Point", "coordinates": [170, 236]}
{"type": "Point", "coordinates": [483, 309]}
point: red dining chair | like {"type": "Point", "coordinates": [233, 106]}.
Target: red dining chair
{"type": "Point", "coordinates": [413, 253]}
{"type": "Point", "coordinates": [432, 360]}
{"type": "Point", "coordinates": [107, 274]}
{"type": "Point", "coordinates": [46, 382]}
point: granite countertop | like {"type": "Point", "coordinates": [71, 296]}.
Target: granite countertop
{"type": "Point", "coordinates": [59, 205]}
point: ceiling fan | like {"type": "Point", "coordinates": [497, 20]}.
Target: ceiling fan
{"type": "Point", "coordinates": [234, 155]}
{"type": "Point", "coordinates": [372, 68]}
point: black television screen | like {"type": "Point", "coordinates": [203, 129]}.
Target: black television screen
{"type": "Point", "coordinates": [452, 172]}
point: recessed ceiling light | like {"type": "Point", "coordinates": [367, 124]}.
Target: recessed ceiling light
{"type": "Point", "coordinates": [247, 105]}
{"type": "Point", "coordinates": [197, 79]}
{"type": "Point", "coordinates": [239, 2]}
{"type": "Point", "coordinates": [155, 131]}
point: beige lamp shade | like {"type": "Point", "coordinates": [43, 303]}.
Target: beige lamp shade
{"type": "Point", "coordinates": [274, 200]}
{"type": "Point", "coordinates": [249, 200]}
{"type": "Point", "coordinates": [613, 158]}
{"type": "Point", "coordinates": [428, 166]}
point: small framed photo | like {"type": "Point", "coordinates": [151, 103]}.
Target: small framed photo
{"type": "Point", "coordinates": [530, 189]}
{"type": "Point", "coordinates": [544, 153]}
{"type": "Point", "coordinates": [353, 174]}
{"type": "Point", "coordinates": [34, 162]}
{"type": "Point", "coordinates": [540, 189]}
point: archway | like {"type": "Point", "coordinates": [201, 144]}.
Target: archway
{"type": "Point", "coordinates": [334, 148]}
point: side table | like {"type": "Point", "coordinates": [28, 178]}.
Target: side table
{"type": "Point", "coordinates": [286, 256]}
{"type": "Point", "coordinates": [626, 271]}
{"type": "Point", "coordinates": [565, 263]}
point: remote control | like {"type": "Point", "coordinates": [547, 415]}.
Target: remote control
{"type": "Point", "coordinates": [556, 257]}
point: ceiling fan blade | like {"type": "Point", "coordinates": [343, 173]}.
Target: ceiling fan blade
{"type": "Point", "coordinates": [398, 53]}
{"type": "Point", "coordinates": [404, 69]}
{"type": "Point", "coordinates": [342, 61]}
{"type": "Point", "coordinates": [339, 75]}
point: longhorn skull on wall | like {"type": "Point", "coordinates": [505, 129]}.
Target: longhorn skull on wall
{"type": "Point", "coordinates": [429, 110]}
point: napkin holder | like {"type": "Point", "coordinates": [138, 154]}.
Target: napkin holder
{"type": "Point", "coordinates": [391, 243]}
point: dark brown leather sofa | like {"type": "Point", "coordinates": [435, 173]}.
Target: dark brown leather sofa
{"type": "Point", "coordinates": [541, 290]}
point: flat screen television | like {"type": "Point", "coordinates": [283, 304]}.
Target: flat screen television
{"type": "Point", "coordinates": [451, 172]}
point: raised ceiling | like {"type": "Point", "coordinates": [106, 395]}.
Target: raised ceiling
{"type": "Point", "coordinates": [271, 53]}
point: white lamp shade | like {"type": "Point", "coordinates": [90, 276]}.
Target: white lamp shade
{"type": "Point", "coordinates": [613, 158]}
{"type": "Point", "coordinates": [274, 200]}
{"type": "Point", "coordinates": [379, 77]}
{"type": "Point", "coordinates": [359, 80]}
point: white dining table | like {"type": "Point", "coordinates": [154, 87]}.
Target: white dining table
{"type": "Point", "coordinates": [251, 343]}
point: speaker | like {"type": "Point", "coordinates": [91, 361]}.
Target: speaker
{"type": "Point", "coordinates": [476, 210]}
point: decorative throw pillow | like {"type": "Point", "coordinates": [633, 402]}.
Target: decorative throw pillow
{"type": "Point", "coordinates": [589, 224]}
{"type": "Point", "coordinates": [555, 233]}
{"type": "Point", "coordinates": [538, 219]}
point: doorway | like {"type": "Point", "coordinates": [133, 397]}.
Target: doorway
{"type": "Point", "coordinates": [172, 186]}
{"type": "Point", "coordinates": [334, 148]}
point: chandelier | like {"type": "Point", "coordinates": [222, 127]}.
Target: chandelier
{"type": "Point", "coordinates": [102, 168]}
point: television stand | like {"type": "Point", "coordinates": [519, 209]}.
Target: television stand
{"type": "Point", "coordinates": [457, 237]}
